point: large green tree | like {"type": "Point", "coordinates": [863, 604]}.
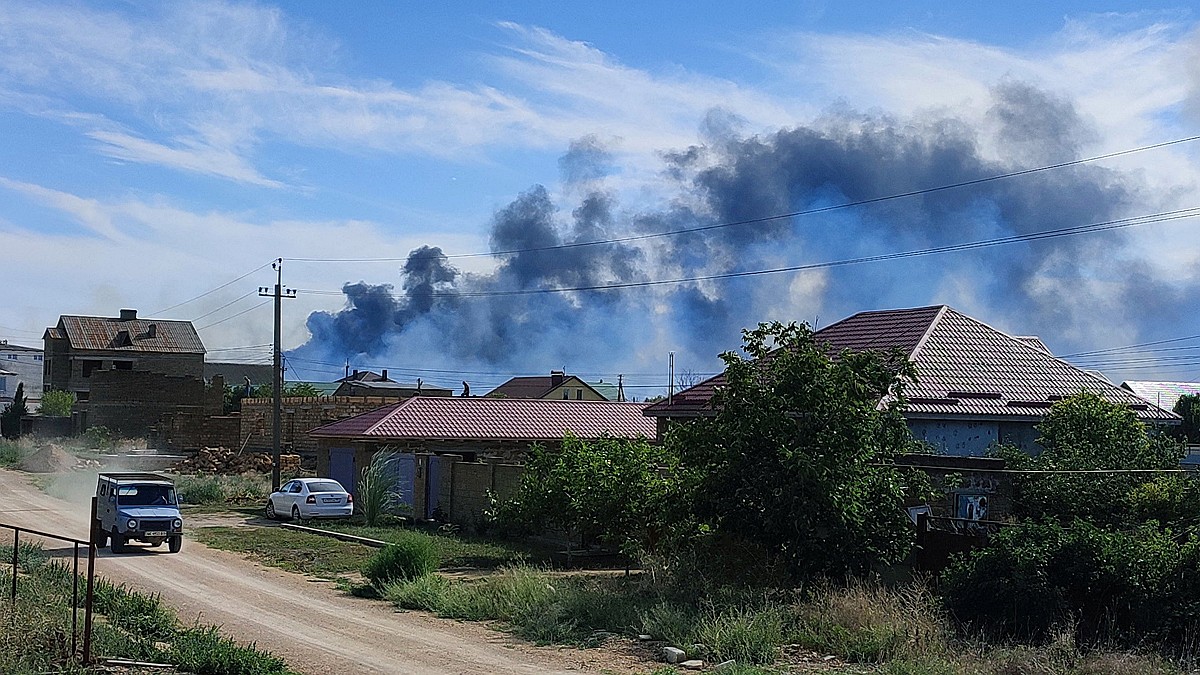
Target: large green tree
{"type": "Point", "coordinates": [795, 463]}
{"type": "Point", "coordinates": [1085, 433]}
{"type": "Point", "coordinates": [10, 418]}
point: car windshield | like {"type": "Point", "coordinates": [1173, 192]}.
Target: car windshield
{"type": "Point", "coordinates": [325, 486]}
{"type": "Point", "coordinates": [145, 495]}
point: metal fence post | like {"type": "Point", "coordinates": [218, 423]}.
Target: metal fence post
{"type": "Point", "coordinates": [16, 548]}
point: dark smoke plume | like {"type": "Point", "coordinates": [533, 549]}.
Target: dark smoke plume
{"type": "Point", "coordinates": [1061, 288]}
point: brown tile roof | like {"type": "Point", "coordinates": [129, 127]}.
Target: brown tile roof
{"type": "Point", "coordinates": [523, 387]}
{"type": "Point", "coordinates": [510, 419]}
{"type": "Point", "coordinates": [135, 335]}
{"type": "Point", "coordinates": [965, 368]}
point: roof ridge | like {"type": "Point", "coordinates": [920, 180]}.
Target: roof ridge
{"type": "Point", "coordinates": [384, 416]}
{"type": "Point", "coordinates": [937, 319]}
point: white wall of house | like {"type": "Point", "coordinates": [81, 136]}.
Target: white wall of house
{"type": "Point", "coordinates": [26, 364]}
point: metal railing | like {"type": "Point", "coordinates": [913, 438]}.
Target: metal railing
{"type": "Point", "coordinates": [89, 593]}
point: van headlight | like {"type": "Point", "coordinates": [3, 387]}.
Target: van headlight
{"type": "Point", "coordinates": [132, 524]}
{"type": "Point", "coordinates": [177, 524]}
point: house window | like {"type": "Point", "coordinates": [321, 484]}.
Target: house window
{"type": "Point", "coordinates": [578, 394]}
{"type": "Point", "coordinates": [82, 395]}
{"type": "Point", "coordinates": [89, 366]}
{"type": "Point", "coordinates": [566, 394]}
{"type": "Point", "coordinates": [122, 365]}
{"type": "Point", "coordinates": [12, 357]}
{"type": "Point", "coordinates": [38, 357]}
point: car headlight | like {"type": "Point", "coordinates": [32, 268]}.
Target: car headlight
{"type": "Point", "coordinates": [177, 524]}
{"type": "Point", "coordinates": [132, 524]}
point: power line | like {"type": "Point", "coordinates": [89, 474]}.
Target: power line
{"type": "Point", "coordinates": [234, 316]}
{"type": "Point", "coordinates": [949, 248]}
{"type": "Point", "coordinates": [210, 292]}
{"type": "Point", "coordinates": [781, 216]}
{"type": "Point", "coordinates": [232, 302]}
{"type": "Point", "coordinates": [1143, 344]}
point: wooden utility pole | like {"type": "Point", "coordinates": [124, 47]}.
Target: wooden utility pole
{"type": "Point", "coordinates": [279, 293]}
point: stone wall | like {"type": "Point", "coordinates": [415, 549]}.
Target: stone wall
{"type": "Point", "coordinates": [464, 489]}
{"type": "Point", "coordinates": [189, 430]}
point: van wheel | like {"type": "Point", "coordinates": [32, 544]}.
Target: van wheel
{"type": "Point", "coordinates": [175, 543]}
{"type": "Point", "coordinates": [118, 542]}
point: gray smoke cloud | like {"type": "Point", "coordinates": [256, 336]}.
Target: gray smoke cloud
{"type": "Point", "coordinates": [1061, 288]}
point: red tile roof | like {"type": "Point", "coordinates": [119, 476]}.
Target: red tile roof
{"type": "Point", "coordinates": [135, 335]}
{"type": "Point", "coordinates": [509, 419]}
{"type": "Point", "coordinates": [965, 368]}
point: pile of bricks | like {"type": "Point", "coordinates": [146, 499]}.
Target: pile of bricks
{"type": "Point", "coordinates": [228, 462]}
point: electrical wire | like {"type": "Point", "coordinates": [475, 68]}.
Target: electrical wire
{"type": "Point", "coordinates": [210, 292]}
{"type": "Point", "coordinates": [781, 216]}
{"type": "Point", "coordinates": [234, 316]}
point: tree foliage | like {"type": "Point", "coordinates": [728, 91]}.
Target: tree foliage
{"type": "Point", "coordinates": [56, 403]}
{"type": "Point", "coordinates": [609, 491]}
{"type": "Point", "coordinates": [1188, 407]}
{"type": "Point", "coordinates": [796, 461]}
{"type": "Point", "coordinates": [1130, 587]}
{"type": "Point", "coordinates": [10, 418]}
{"type": "Point", "coordinates": [1086, 432]}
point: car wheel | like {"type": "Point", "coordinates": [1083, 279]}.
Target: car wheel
{"type": "Point", "coordinates": [295, 512]}
{"type": "Point", "coordinates": [117, 540]}
{"type": "Point", "coordinates": [175, 543]}
{"type": "Point", "coordinates": [270, 511]}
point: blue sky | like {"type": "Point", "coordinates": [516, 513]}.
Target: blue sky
{"type": "Point", "coordinates": [154, 152]}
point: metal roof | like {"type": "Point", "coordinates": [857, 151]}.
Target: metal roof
{"type": "Point", "coordinates": [99, 333]}
{"type": "Point", "coordinates": [1162, 394]}
{"type": "Point", "coordinates": [965, 368]}
{"type": "Point", "coordinates": [479, 418]}
{"type": "Point", "coordinates": [6, 346]}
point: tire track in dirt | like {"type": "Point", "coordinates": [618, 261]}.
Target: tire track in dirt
{"type": "Point", "coordinates": [315, 628]}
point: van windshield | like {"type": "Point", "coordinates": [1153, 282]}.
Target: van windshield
{"type": "Point", "coordinates": [145, 495]}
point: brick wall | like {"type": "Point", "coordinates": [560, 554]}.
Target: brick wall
{"type": "Point", "coordinates": [301, 414]}
{"type": "Point", "coordinates": [190, 430]}
{"type": "Point", "coordinates": [130, 402]}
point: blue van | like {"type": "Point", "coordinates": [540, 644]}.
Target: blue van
{"type": "Point", "coordinates": [136, 507]}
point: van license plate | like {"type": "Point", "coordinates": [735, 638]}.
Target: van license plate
{"type": "Point", "coordinates": [156, 534]}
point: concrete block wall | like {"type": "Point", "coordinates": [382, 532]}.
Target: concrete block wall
{"type": "Point", "coordinates": [131, 402]}
{"type": "Point", "coordinates": [190, 430]}
{"type": "Point", "coordinates": [466, 485]}
{"type": "Point", "coordinates": [301, 414]}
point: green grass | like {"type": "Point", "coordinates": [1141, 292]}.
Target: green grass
{"type": "Point", "coordinates": [35, 632]}
{"type": "Point", "coordinates": [310, 554]}
{"type": "Point", "coordinates": [455, 551]}
{"type": "Point", "coordinates": [215, 490]}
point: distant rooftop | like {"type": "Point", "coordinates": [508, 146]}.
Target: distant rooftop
{"type": "Point", "coordinates": [127, 333]}
{"type": "Point", "coordinates": [1162, 394]}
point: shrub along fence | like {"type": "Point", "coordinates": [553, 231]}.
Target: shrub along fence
{"type": "Point", "coordinates": [89, 592]}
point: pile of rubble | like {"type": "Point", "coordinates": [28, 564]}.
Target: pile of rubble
{"type": "Point", "coordinates": [228, 462]}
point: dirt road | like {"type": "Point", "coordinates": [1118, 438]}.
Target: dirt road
{"type": "Point", "coordinates": [313, 627]}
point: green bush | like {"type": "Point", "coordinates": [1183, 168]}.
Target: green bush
{"type": "Point", "coordinates": [56, 403]}
{"type": "Point", "coordinates": [427, 592]}
{"type": "Point", "coordinates": [1128, 588]}
{"type": "Point", "coordinates": [408, 557]}
{"type": "Point", "coordinates": [200, 490]}
{"type": "Point", "coordinates": [10, 452]}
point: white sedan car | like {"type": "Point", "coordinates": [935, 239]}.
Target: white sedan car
{"type": "Point", "coordinates": [305, 498]}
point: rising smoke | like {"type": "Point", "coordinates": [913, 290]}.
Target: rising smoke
{"type": "Point", "coordinates": [1061, 288]}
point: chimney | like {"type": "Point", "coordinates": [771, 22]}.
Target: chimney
{"type": "Point", "coordinates": [557, 377]}
{"type": "Point", "coordinates": [128, 314]}
{"type": "Point", "coordinates": [356, 373]}
{"type": "Point", "coordinates": [383, 375]}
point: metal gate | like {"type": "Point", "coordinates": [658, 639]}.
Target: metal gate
{"type": "Point", "coordinates": [342, 469]}
{"type": "Point", "coordinates": [402, 467]}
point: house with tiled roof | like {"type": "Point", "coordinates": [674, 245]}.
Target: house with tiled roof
{"type": "Point", "coordinates": [124, 371]}
{"type": "Point", "coordinates": [976, 386]}
{"type": "Point", "coordinates": [1162, 394]}
{"type": "Point", "coordinates": [558, 386]}
{"type": "Point", "coordinates": [442, 443]}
